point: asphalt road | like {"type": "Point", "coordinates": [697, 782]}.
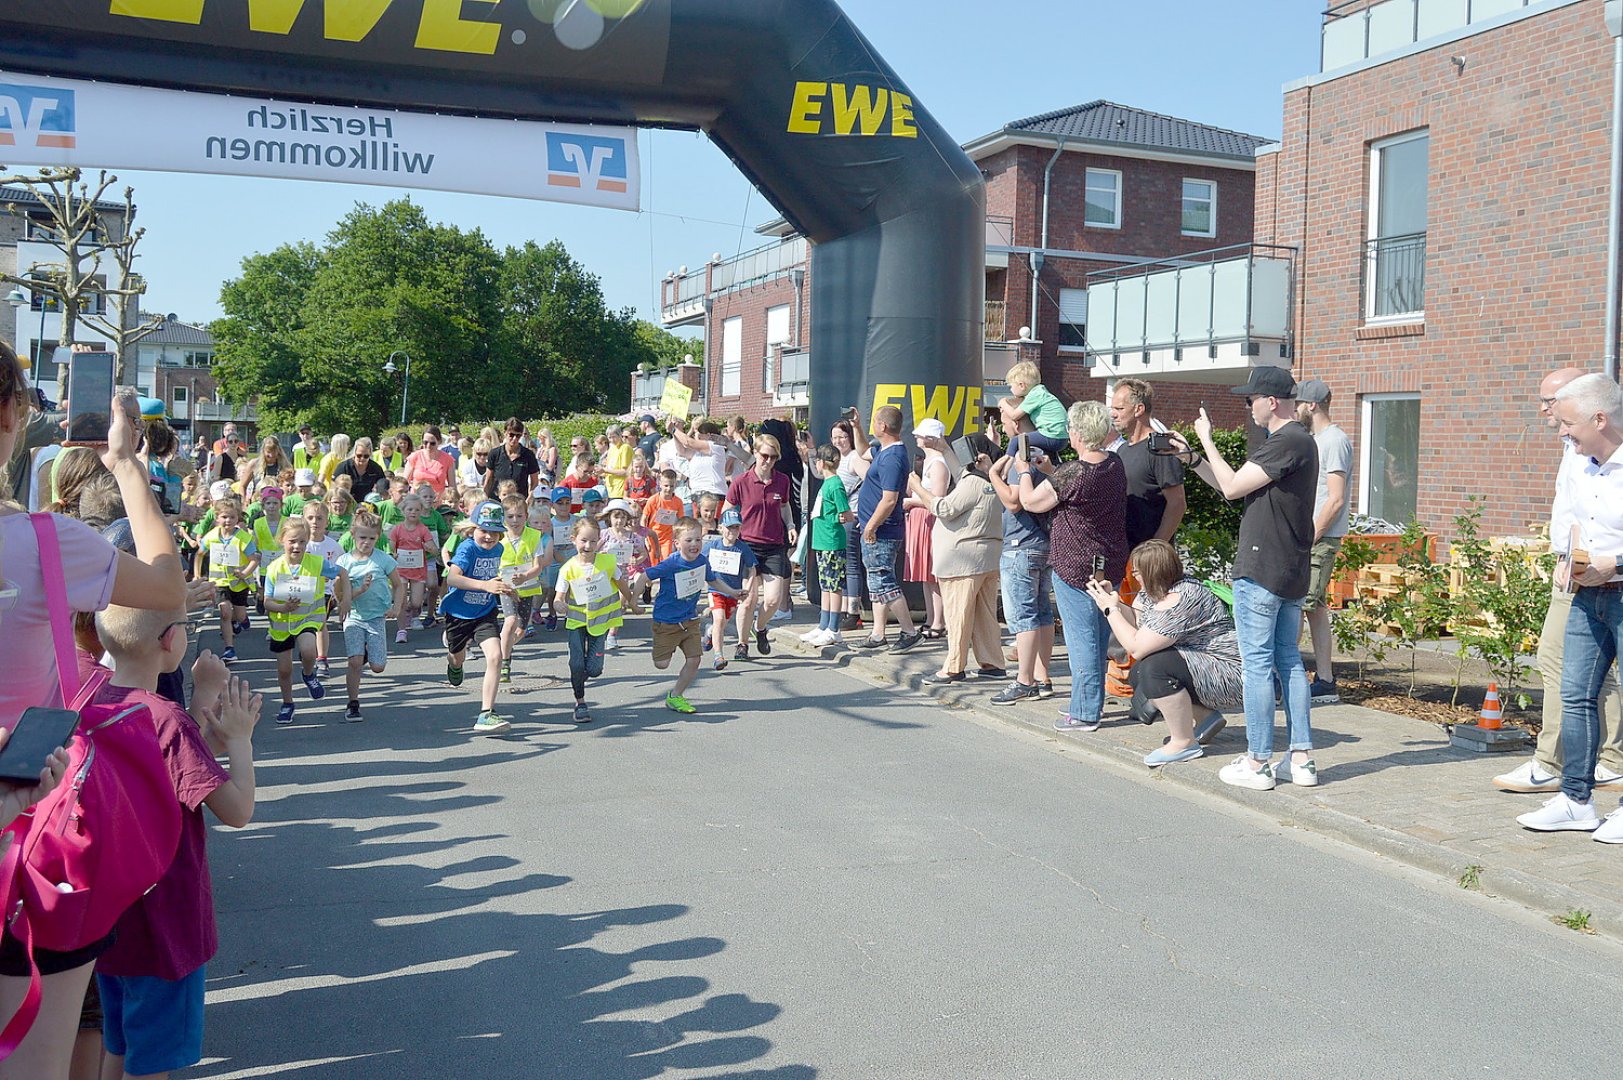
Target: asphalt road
{"type": "Point", "coordinates": [817, 877]}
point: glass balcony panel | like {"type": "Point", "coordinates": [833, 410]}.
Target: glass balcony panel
{"type": "Point", "coordinates": [1230, 291]}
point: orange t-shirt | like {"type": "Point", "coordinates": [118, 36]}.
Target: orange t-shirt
{"type": "Point", "coordinates": [659, 514]}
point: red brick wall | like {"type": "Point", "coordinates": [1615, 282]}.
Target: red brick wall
{"type": "Point", "coordinates": [1516, 246]}
{"type": "Point", "coordinates": [751, 304]}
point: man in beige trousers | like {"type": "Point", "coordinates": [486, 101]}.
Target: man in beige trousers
{"type": "Point", "coordinates": [1542, 775]}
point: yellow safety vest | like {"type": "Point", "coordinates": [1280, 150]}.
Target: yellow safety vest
{"type": "Point", "coordinates": [603, 616]}
{"type": "Point", "coordinates": [219, 573]}
{"type": "Point", "coordinates": [311, 615]}
{"type": "Point", "coordinates": [520, 554]}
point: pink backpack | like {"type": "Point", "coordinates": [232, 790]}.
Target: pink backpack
{"type": "Point", "coordinates": [107, 833]}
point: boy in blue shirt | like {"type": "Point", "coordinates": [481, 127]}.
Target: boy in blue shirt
{"type": "Point", "coordinates": [734, 564]}
{"type": "Point", "coordinates": [470, 607]}
{"type": "Point", "coordinates": [682, 578]}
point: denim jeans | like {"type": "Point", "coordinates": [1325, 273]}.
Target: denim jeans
{"type": "Point", "coordinates": [856, 575]}
{"type": "Point", "coordinates": [882, 559]}
{"type": "Point", "coordinates": [1593, 629]}
{"type": "Point", "coordinates": [1027, 582]}
{"type": "Point", "coordinates": [1270, 629]}
{"type": "Point", "coordinates": [585, 658]}
{"type": "Point", "coordinates": [1087, 636]}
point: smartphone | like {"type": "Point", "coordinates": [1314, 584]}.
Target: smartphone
{"type": "Point", "coordinates": [1099, 567]}
{"type": "Point", "coordinates": [963, 450]}
{"type": "Point", "coordinates": [38, 732]}
{"type": "Point", "coordinates": [1161, 443]}
{"type": "Point", "coordinates": [90, 394]}
{"type": "Point", "coordinates": [848, 413]}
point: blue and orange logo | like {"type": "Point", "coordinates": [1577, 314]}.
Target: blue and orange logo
{"type": "Point", "coordinates": [592, 162]}
{"type": "Point", "coordinates": [37, 116]}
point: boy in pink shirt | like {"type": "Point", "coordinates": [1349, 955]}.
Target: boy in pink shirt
{"type": "Point", "coordinates": [152, 978]}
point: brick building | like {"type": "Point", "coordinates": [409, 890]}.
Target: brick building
{"type": "Point", "coordinates": [1069, 193]}
{"type": "Point", "coordinates": [1444, 179]}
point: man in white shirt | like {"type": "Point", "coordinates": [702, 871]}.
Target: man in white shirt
{"type": "Point", "coordinates": [1543, 773]}
{"type": "Point", "coordinates": [710, 458]}
{"type": "Point", "coordinates": [1589, 493]}
{"type": "Point", "coordinates": [1330, 516]}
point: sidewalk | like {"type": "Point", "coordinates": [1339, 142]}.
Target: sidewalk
{"type": "Point", "coordinates": [1389, 784]}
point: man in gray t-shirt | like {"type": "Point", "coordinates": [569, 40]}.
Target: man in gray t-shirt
{"type": "Point", "coordinates": [1331, 508]}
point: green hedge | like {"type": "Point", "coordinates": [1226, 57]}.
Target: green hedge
{"type": "Point", "coordinates": [1209, 536]}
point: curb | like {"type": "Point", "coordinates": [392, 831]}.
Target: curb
{"type": "Point", "coordinates": [1539, 895]}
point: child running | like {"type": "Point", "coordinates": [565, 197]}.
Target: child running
{"type": "Point", "coordinates": [376, 589]}
{"type": "Point", "coordinates": [328, 547]}
{"type": "Point", "coordinates": [595, 587]}
{"type": "Point", "coordinates": [151, 980]}
{"type": "Point", "coordinates": [734, 564]}
{"type": "Point", "coordinates": [232, 557]}
{"type": "Point", "coordinates": [629, 551]}
{"type": "Point", "coordinates": [475, 585]}
{"type": "Point", "coordinates": [681, 579]}
{"type": "Point", "coordinates": [296, 605]}
{"type": "Point", "coordinates": [526, 554]}
{"type": "Point", "coordinates": [413, 546]}
{"type": "Point", "coordinates": [562, 525]}
{"type": "Point", "coordinates": [661, 513]}
{"type": "Point", "coordinates": [439, 523]}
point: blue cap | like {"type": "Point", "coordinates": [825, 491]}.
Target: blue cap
{"type": "Point", "coordinates": [490, 516]}
{"type": "Point", "coordinates": [591, 495]}
{"type": "Point", "coordinates": [731, 517]}
{"type": "Point", "coordinates": [559, 493]}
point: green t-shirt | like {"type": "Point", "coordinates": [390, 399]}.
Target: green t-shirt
{"type": "Point", "coordinates": [1045, 411]}
{"type": "Point", "coordinates": [832, 501]}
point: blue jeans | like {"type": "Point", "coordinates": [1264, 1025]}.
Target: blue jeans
{"type": "Point", "coordinates": [1593, 629]}
{"type": "Point", "coordinates": [1027, 582]}
{"type": "Point", "coordinates": [856, 575]}
{"type": "Point", "coordinates": [882, 560]}
{"type": "Point", "coordinates": [1087, 635]}
{"type": "Point", "coordinates": [1270, 628]}
{"type": "Point", "coordinates": [585, 658]}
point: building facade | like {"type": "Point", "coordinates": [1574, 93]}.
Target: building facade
{"type": "Point", "coordinates": [1445, 180]}
{"type": "Point", "coordinates": [181, 358]}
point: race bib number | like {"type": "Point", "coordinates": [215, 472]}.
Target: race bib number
{"type": "Point", "coordinates": [508, 605]}
{"type": "Point", "coordinates": [665, 517]}
{"type": "Point", "coordinates": [563, 533]}
{"type": "Point", "coordinates": [689, 582]}
{"type": "Point", "coordinates": [592, 592]}
{"type": "Point", "coordinates": [226, 556]}
{"type": "Point", "coordinates": [577, 496]}
{"type": "Point", "coordinates": [409, 558]}
{"type": "Point", "coordinates": [726, 562]}
{"type": "Point", "coordinates": [299, 588]}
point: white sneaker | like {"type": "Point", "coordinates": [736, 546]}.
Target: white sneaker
{"type": "Point", "coordinates": [1304, 775]}
{"type": "Point", "coordinates": [1606, 778]}
{"type": "Point", "coordinates": [817, 638]}
{"type": "Point", "coordinates": [1611, 829]}
{"type": "Point", "coordinates": [833, 637]}
{"type": "Point", "coordinates": [1561, 814]}
{"type": "Point", "coordinates": [1239, 773]}
{"type": "Point", "coordinates": [1528, 779]}
{"type": "Point", "coordinates": [814, 632]}
{"type": "Point", "coordinates": [781, 616]}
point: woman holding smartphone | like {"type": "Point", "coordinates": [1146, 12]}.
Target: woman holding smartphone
{"type": "Point", "coordinates": [96, 575]}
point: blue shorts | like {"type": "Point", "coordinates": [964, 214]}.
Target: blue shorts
{"type": "Point", "coordinates": [155, 1025]}
{"type": "Point", "coordinates": [368, 638]}
{"type": "Point", "coordinates": [1028, 589]}
{"type": "Point", "coordinates": [879, 558]}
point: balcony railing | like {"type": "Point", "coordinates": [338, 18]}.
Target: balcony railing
{"type": "Point", "coordinates": [1394, 276]}
{"type": "Point", "coordinates": [646, 390]}
{"type": "Point", "coordinates": [794, 378]}
{"type": "Point", "coordinates": [1358, 30]}
{"type": "Point", "coordinates": [997, 321]}
{"type": "Point", "coordinates": [684, 297]}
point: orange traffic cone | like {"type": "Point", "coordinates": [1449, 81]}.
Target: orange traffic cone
{"type": "Point", "coordinates": [1493, 714]}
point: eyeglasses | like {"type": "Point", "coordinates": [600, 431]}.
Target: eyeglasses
{"type": "Point", "coordinates": [766, 456]}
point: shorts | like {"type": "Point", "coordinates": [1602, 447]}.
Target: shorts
{"type": "Point", "coordinates": [879, 559]}
{"type": "Point", "coordinates": [668, 637]}
{"type": "Point", "coordinates": [523, 607]}
{"type": "Point", "coordinates": [771, 560]}
{"type": "Point", "coordinates": [1161, 674]}
{"type": "Point", "coordinates": [1028, 589]}
{"type": "Point", "coordinates": [1321, 568]}
{"type": "Point", "coordinates": [368, 638]}
{"type": "Point", "coordinates": [287, 644]}
{"type": "Point", "coordinates": [13, 961]}
{"type": "Point", "coordinates": [724, 604]}
{"type": "Point", "coordinates": [237, 594]}
{"type": "Point", "coordinates": [460, 633]}
{"type": "Point", "coordinates": [156, 1025]}
{"type": "Point", "coordinates": [831, 571]}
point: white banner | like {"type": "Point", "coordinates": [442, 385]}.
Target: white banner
{"type": "Point", "coordinates": [111, 125]}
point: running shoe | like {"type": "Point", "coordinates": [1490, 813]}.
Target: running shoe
{"type": "Point", "coordinates": [742, 652]}
{"type": "Point", "coordinates": [229, 655]}
{"type": "Point", "coordinates": [284, 715]}
{"type": "Point", "coordinates": [400, 637]}
{"type": "Point", "coordinates": [763, 643]}
{"type": "Point", "coordinates": [721, 661]}
{"type": "Point", "coordinates": [453, 674]}
{"type": "Point", "coordinates": [781, 616]}
{"type": "Point", "coordinates": [507, 671]}
{"type": "Point", "coordinates": [428, 621]}
{"type": "Point", "coordinates": [322, 668]}
{"type": "Point", "coordinates": [676, 703]}
{"type": "Point", "coordinates": [489, 723]}
{"type": "Point", "coordinates": [708, 644]}
{"type": "Point", "coordinates": [1045, 689]}
{"type": "Point", "coordinates": [581, 715]}
{"type": "Point", "coordinates": [552, 621]}
{"type": "Point", "coordinates": [352, 712]}
{"type": "Point", "coordinates": [312, 683]}
{"type": "Point", "coordinates": [612, 642]}
{"type": "Point", "coordinates": [905, 642]}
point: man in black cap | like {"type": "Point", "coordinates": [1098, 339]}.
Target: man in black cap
{"type": "Point", "coordinates": [649, 443]}
{"type": "Point", "coordinates": [1278, 482]}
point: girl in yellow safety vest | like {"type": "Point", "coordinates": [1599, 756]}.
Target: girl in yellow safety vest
{"type": "Point", "coordinates": [526, 554]}
{"type": "Point", "coordinates": [296, 605]}
{"type": "Point", "coordinates": [596, 598]}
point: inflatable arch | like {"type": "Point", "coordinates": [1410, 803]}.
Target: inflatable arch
{"type": "Point", "coordinates": [789, 89]}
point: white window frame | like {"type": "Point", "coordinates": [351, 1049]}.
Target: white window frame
{"type": "Point", "coordinates": [177, 394]}
{"type": "Point", "coordinates": [732, 357]}
{"type": "Point", "coordinates": [1087, 176]}
{"type": "Point", "coordinates": [1372, 228]}
{"type": "Point", "coordinates": [1211, 202]}
{"type": "Point", "coordinates": [1366, 423]}
{"type": "Point", "coordinates": [769, 372]}
{"type": "Point", "coordinates": [1060, 300]}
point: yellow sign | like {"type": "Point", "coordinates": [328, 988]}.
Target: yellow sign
{"type": "Point", "coordinates": [676, 399]}
{"type": "Point", "coordinates": [853, 110]}
{"type": "Point", "coordinates": [441, 25]}
{"type": "Point", "coordinates": [952, 405]}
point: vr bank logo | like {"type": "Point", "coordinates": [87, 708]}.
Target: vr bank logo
{"type": "Point", "coordinates": [586, 161]}
{"type": "Point", "coordinates": [36, 116]}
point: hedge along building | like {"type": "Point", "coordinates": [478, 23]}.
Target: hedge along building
{"type": "Point", "coordinates": [789, 89]}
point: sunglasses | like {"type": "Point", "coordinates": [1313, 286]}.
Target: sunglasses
{"type": "Point", "coordinates": [767, 456]}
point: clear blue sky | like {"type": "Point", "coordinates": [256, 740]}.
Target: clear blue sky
{"type": "Point", "coordinates": [975, 65]}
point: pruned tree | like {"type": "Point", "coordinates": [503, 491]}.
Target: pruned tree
{"type": "Point", "coordinates": [88, 239]}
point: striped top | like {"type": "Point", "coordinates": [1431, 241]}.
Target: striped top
{"type": "Point", "coordinates": [1204, 636]}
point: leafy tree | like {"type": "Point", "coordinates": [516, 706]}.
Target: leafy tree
{"type": "Point", "coordinates": [256, 342]}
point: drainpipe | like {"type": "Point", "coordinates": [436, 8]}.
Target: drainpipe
{"type": "Point", "coordinates": [1614, 216]}
{"type": "Point", "coordinates": [1037, 257]}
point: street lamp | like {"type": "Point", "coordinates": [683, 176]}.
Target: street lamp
{"type": "Point", "coordinates": [405, 389]}
{"type": "Point", "coordinates": [19, 300]}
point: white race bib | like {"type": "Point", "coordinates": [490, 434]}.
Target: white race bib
{"type": "Point", "coordinates": [577, 496]}
{"type": "Point", "coordinates": [225, 556]}
{"type": "Point", "coordinates": [592, 592]}
{"type": "Point", "coordinates": [665, 517]}
{"type": "Point", "coordinates": [689, 582]}
{"type": "Point", "coordinates": [563, 533]}
{"type": "Point", "coordinates": [299, 588]}
{"type": "Point", "coordinates": [723, 561]}
{"type": "Point", "coordinates": [409, 558]}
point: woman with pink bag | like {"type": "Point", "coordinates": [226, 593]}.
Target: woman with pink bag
{"type": "Point", "coordinates": [96, 575]}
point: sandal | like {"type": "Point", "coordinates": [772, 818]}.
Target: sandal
{"type": "Point", "coordinates": [930, 633]}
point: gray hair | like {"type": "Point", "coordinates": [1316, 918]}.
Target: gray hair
{"type": "Point", "coordinates": [363, 443]}
{"type": "Point", "coordinates": [1089, 422]}
{"type": "Point", "coordinates": [1594, 393]}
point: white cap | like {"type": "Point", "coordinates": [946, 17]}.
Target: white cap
{"type": "Point", "coordinates": [304, 477]}
{"type": "Point", "coordinates": [930, 429]}
{"type": "Point", "coordinates": [618, 504]}
{"type": "Point", "coordinates": [219, 489]}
